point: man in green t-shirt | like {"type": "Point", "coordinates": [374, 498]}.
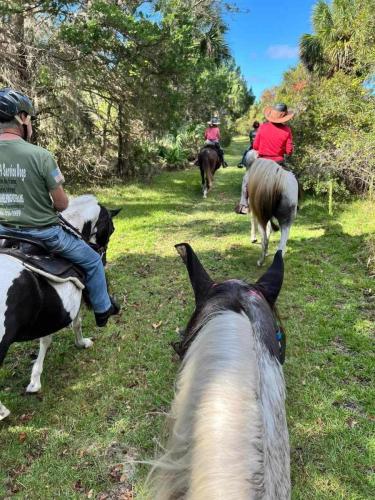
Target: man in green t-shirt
{"type": "Point", "coordinates": [31, 194]}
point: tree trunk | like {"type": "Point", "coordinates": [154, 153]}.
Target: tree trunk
{"type": "Point", "coordinates": [123, 143]}
{"type": "Point", "coordinates": [104, 145]}
{"type": "Point", "coordinates": [25, 76]}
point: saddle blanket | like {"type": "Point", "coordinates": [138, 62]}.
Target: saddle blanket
{"type": "Point", "coordinates": [52, 270]}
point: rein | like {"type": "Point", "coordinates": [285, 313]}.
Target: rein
{"type": "Point", "coordinates": [72, 229]}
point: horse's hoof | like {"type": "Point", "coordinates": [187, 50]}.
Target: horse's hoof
{"type": "Point", "coordinates": [4, 412]}
{"type": "Point", "coordinates": [260, 263]}
{"type": "Point", "coordinates": [254, 240]}
{"type": "Point", "coordinates": [85, 343]}
{"type": "Point", "coordinates": [33, 387]}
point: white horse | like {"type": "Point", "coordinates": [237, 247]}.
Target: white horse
{"type": "Point", "coordinates": [273, 194]}
{"type": "Point", "coordinates": [228, 437]}
{"type": "Point", "coordinates": [32, 306]}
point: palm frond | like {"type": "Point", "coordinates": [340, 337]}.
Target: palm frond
{"type": "Point", "coordinates": [322, 20]}
{"type": "Point", "coordinates": [311, 53]}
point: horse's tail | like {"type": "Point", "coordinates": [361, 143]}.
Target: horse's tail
{"type": "Point", "coordinates": [266, 184]}
{"type": "Point", "coordinates": [216, 437]}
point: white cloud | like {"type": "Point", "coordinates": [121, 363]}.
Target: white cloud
{"type": "Point", "coordinates": [282, 52]}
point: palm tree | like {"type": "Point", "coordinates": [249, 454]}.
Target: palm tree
{"type": "Point", "coordinates": [330, 48]}
{"type": "Point", "coordinates": [212, 43]}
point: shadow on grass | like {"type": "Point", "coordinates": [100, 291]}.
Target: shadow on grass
{"type": "Point", "coordinates": [116, 389]}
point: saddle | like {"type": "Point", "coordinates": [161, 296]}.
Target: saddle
{"type": "Point", "coordinates": [35, 257]}
{"type": "Point", "coordinates": [216, 147]}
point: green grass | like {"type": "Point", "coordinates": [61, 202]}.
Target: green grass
{"type": "Point", "coordinates": [101, 407]}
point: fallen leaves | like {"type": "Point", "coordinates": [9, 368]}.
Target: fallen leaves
{"type": "Point", "coordinates": [22, 436]}
{"type": "Point", "coordinates": [118, 474]}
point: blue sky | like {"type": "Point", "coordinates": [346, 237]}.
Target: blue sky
{"type": "Point", "coordinates": [264, 41]}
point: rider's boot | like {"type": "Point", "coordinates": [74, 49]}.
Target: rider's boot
{"type": "Point", "coordinates": [102, 318]}
{"type": "Point", "coordinates": [224, 163]}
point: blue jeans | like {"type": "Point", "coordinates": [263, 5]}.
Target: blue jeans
{"type": "Point", "coordinates": [77, 251]}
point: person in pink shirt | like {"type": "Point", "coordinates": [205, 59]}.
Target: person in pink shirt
{"type": "Point", "coordinates": [212, 137]}
{"type": "Point", "coordinates": [273, 141]}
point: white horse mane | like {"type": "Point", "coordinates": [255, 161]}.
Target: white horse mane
{"type": "Point", "coordinates": [82, 209]}
{"type": "Point", "coordinates": [228, 436]}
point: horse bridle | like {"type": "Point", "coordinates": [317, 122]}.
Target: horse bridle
{"type": "Point", "coordinates": [183, 344]}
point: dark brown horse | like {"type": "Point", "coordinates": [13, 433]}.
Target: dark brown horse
{"type": "Point", "coordinates": [208, 161]}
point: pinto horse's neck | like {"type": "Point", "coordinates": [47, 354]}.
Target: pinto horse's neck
{"type": "Point", "coordinates": [229, 430]}
{"type": "Point", "coordinates": [82, 210]}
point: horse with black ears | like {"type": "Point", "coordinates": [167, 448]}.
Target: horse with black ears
{"type": "Point", "coordinates": [32, 306]}
{"type": "Point", "coordinates": [228, 435]}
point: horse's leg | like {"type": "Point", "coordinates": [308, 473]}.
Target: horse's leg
{"type": "Point", "coordinates": [265, 238]}
{"type": "Point", "coordinates": [254, 227]}
{"type": "Point", "coordinates": [37, 370]}
{"type": "Point", "coordinates": [268, 233]}
{"type": "Point", "coordinates": [210, 170]}
{"type": "Point", "coordinates": [206, 185]}
{"type": "Point", "coordinates": [202, 175]}
{"type": "Point", "coordinates": [205, 191]}
{"type": "Point", "coordinates": [4, 346]}
{"type": "Point", "coordinates": [285, 226]}
{"type": "Point", "coordinates": [81, 341]}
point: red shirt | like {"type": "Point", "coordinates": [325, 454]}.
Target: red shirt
{"type": "Point", "coordinates": [273, 140]}
{"type": "Point", "coordinates": [212, 134]}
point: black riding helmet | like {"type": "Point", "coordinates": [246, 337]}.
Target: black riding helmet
{"type": "Point", "coordinates": [13, 103]}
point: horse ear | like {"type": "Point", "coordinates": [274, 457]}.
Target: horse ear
{"type": "Point", "coordinates": [271, 281]}
{"type": "Point", "coordinates": [115, 212]}
{"type": "Point", "coordinates": [199, 278]}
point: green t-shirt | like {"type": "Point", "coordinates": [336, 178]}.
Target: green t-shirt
{"type": "Point", "coordinates": [27, 174]}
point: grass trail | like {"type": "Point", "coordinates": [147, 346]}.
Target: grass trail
{"type": "Point", "coordinates": [102, 407]}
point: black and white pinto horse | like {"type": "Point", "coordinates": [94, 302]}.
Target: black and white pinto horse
{"type": "Point", "coordinates": [32, 307]}
{"type": "Point", "coordinates": [228, 435]}
{"type": "Point", "coordinates": [273, 194]}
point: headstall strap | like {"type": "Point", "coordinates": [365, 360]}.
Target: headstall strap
{"type": "Point", "coordinates": [281, 338]}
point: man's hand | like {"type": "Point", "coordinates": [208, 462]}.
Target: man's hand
{"type": "Point", "coordinates": [60, 199]}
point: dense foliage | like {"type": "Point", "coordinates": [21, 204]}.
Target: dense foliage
{"type": "Point", "coordinates": [121, 85]}
{"type": "Point", "coordinates": [332, 92]}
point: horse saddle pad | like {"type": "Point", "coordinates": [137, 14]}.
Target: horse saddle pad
{"type": "Point", "coordinates": [35, 257]}
{"type": "Point", "coordinates": [212, 146]}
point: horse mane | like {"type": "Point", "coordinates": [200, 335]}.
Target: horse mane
{"type": "Point", "coordinates": [82, 209]}
{"type": "Point", "coordinates": [266, 183]}
{"type": "Point", "coordinates": [224, 429]}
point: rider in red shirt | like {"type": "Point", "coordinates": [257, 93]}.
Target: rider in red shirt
{"type": "Point", "coordinates": [273, 141]}
{"type": "Point", "coordinates": [274, 138]}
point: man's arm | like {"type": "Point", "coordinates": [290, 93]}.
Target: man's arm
{"type": "Point", "coordinates": [59, 198]}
